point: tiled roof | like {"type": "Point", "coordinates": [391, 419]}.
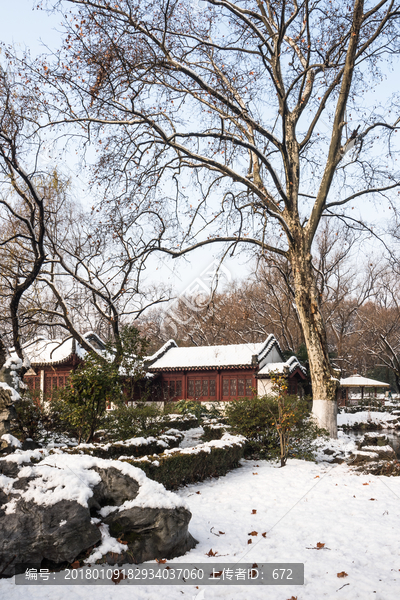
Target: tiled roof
{"type": "Point", "coordinates": [170, 357]}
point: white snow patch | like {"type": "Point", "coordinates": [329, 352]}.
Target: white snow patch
{"type": "Point", "coordinates": [14, 394]}
{"type": "Point", "coordinates": [108, 544]}
{"type": "Point", "coordinates": [11, 440]}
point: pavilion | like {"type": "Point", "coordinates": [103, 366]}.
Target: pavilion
{"type": "Point", "coordinates": [360, 382]}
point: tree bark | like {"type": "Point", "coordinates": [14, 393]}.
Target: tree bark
{"type": "Point", "coordinates": [323, 380]}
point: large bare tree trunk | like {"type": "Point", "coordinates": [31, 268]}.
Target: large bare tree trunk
{"type": "Point", "coordinates": [324, 382]}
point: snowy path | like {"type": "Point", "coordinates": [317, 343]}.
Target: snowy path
{"type": "Point", "coordinates": [298, 506]}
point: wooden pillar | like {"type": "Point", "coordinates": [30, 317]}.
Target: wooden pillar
{"type": "Point", "coordinates": [219, 386]}
{"type": "Point", "coordinates": [184, 386]}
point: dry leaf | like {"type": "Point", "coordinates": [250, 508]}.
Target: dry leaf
{"type": "Point", "coordinates": [221, 532]}
{"type": "Point", "coordinates": [320, 545]}
{"type": "Point", "coordinates": [117, 578]}
{"type": "Point", "coordinates": [342, 574]}
{"type": "Point", "coordinates": [161, 561]}
{"type": "Point", "coordinates": [75, 565]}
{"type": "Point", "coordinates": [211, 553]}
{"type": "Point", "coordinates": [254, 512]}
{"type": "Point", "coordinates": [264, 534]}
{"type": "Point", "coordinates": [365, 483]}
{"type": "Point", "coordinates": [255, 566]}
{"type": "Point", "coordinates": [316, 477]}
{"type": "Point", "coordinates": [122, 542]}
{"type": "Point", "coordinates": [255, 473]}
{"type": "Point", "coordinates": [372, 498]}
{"type": "Point", "coordinates": [249, 541]}
{"type": "Point", "coordinates": [293, 598]}
{"type": "Point", "coordinates": [198, 492]}
{"type": "Point", "coordinates": [253, 533]}
{"type": "Point", "coordinates": [215, 574]}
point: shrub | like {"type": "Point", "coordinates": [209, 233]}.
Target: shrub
{"type": "Point", "coordinates": [28, 420]}
{"type": "Point", "coordinates": [276, 427]}
{"type": "Point", "coordinates": [181, 468]}
{"type": "Point", "coordinates": [252, 418]}
{"type": "Point", "coordinates": [82, 403]}
{"type": "Point", "coordinates": [126, 422]}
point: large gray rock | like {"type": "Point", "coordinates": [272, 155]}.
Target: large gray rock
{"type": "Point", "coordinates": [150, 533]}
{"type": "Point", "coordinates": [57, 533]}
{"type": "Point", "coordinates": [37, 530]}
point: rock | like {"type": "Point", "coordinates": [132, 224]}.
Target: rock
{"type": "Point", "coordinates": [150, 533]}
{"type": "Point", "coordinates": [383, 452]}
{"type": "Point", "coordinates": [7, 413]}
{"type": "Point", "coordinates": [55, 508]}
{"type": "Point", "coordinates": [34, 533]}
{"type": "Point", "coordinates": [359, 457]}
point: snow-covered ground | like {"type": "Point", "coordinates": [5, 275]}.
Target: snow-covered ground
{"type": "Point", "coordinates": [378, 418]}
{"type": "Point", "coordinates": [356, 517]}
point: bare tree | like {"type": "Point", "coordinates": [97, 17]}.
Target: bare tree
{"type": "Point", "coordinates": [22, 214]}
{"type": "Point", "coordinates": [243, 107]}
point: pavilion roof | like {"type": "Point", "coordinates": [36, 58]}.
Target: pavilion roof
{"type": "Point", "coordinates": [360, 381]}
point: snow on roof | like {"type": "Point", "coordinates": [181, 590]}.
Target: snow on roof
{"type": "Point", "coordinates": [360, 381]}
{"type": "Point", "coordinates": [161, 351]}
{"type": "Point", "coordinates": [279, 367]}
{"type": "Point", "coordinates": [43, 351]}
{"type": "Point", "coordinates": [233, 355]}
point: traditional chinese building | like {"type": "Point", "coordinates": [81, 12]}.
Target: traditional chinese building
{"type": "Point", "coordinates": [221, 373]}
{"type": "Point", "coordinates": [53, 360]}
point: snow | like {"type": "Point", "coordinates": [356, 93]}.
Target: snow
{"type": "Point", "coordinates": [298, 506]}
{"type": "Point", "coordinates": [377, 418]}
{"type": "Point", "coordinates": [108, 544]}
{"type": "Point", "coordinates": [14, 394]}
{"type": "Point", "coordinates": [11, 440]}
{"type": "Point", "coordinates": [360, 381]}
{"type": "Point", "coordinates": [68, 477]}
{"type": "Point", "coordinates": [212, 356]}
{"type": "Point", "coordinates": [279, 367]}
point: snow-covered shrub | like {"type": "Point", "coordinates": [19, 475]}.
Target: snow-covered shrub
{"type": "Point", "coordinates": [175, 468]}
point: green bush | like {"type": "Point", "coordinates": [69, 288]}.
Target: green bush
{"type": "Point", "coordinates": [28, 420]}
{"type": "Point", "coordinates": [126, 422]}
{"type": "Point", "coordinates": [81, 407]}
{"type": "Point", "coordinates": [265, 420]}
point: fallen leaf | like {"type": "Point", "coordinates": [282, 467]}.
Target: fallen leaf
{"type": "Point", "coordinates": [253, 574]}
{"type": "Point", "coordinates": [255, 566]}
{"type": "Point", "coordinates": [215, 574]}
{"type": "Point", "coordinates": [254, 512]}
{"type": "Point", "coordinates": [162, 561]}
{"type": "Point", "coordinates": [293, 598]}
{"type": "Point", "coordinates": [198, 492]}
{"type": "Point", "coordinates": [211, 553]}
{"type": "Point", "coordinates": [117, 578]}
{"type": "Point", "coordinates": [372, 498]}
{"type": "Point", "coordinates": [253, 533]}
{"type": "Point", "coordinates": [365, 483]}
{"type": "Point", "coordinates": [75, 565]}
{"type": "Point", "coordinates": [221, 532]}
{"type": "Point", "coordinates": [342, 574]}
{"type": "Point", "coordinates": [316, 477]}
{"type": "Point", "coordinates": [255, 473]}
{"type": "Point", "coordinates": [264, 534]}
{"type": "Point", "coordinates": [249, 541]}
{"type": "Point", "coordinates": [122, 541]}
{"type": "Point", "coordinates": [320, 545]}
